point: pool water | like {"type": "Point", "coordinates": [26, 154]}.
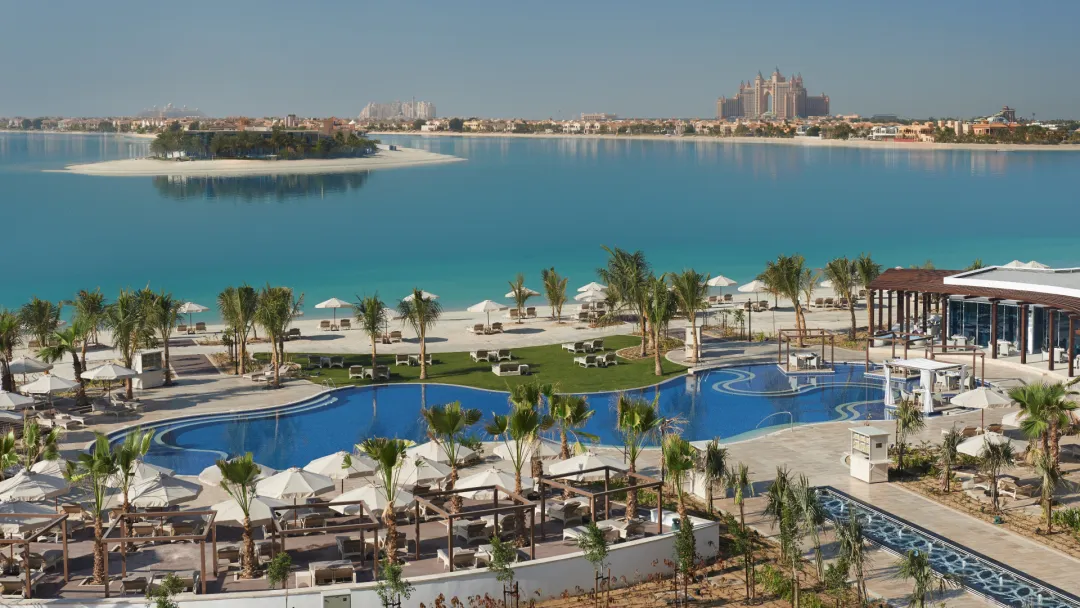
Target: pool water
{"type": "Point", "coordinates": [730, 403]}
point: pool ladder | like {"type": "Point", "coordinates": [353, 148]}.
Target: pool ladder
{"type": "Point", "coordinates": [791, 419]}
{"type": "Point", "coordinates": [329, 383]}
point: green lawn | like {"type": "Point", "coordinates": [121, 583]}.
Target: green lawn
{"type": "Point", "coordinates": [547, 363]}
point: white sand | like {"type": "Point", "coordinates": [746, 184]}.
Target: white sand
{"type": "Point", "coordinates": [402, 157]}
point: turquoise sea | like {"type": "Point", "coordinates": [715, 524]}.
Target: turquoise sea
{"type": "Point", "coordinates": [518, 205]}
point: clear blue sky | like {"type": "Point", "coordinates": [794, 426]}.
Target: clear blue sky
{"type": "Point", "coordinates": [555, 58]}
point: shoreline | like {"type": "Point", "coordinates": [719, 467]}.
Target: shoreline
{"type": "Point", "coordinates": [150, 167]}
{"type": "Point", "coordinates": [808, 142]}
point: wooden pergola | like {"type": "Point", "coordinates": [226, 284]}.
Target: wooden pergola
{"type": "Point", "coordinates": [208, 534]}
{"type": "Point", "coordinates": [282, 534]}
{"type": "Point", "coordinates": [518, 505]}
{"type": "Point", "coordinates": [785, 336]}
{"type": "Point", "coordinates": [60, 519]}
{"type": "Point", "coordinates": [643, 483]}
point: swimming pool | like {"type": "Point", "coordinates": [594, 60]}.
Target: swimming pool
{"type": "Point", "coordinates": [731, 403]}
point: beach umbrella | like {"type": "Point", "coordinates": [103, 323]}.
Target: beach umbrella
{"type": "Point", "coordinates": [1031, 264]}
{"type": "Point", "coordinates": [27, 365]}
{"type": "Point", "coordinates": [162, 492]}
{"type": "Point", "coordinates": [15, 527]}
{"type": "Point", "coordinates": [593, 295]}
{"type": "Point", "coordinates": [374, 498]}
{"type": "Point", "coordinates": [582, 462]}
{"type": "Point", "coordinates": [421, 471]}
{"type": "Point", "coordinates": [548, 449]}
{"type": "Point", "coordinates": [109, 371]}
{"type": "Point", "coordinates": [15, 401]}
{"type": "Point", "coordinates": [211, 475]}
{"type": "Point", "coordinates": [487, 306]}
{"type": "Point", "coordinates": [27, 486]}
{"type": "Point", "coordinates": [190, 308]}
{"type": "Point", "coordinates": [982, 398]}
{"type": "Point", "coordinates": [434, 452]}
{"type": "Point", "coordinates": [423, 294]}
{"type": "Point", "coordinates": [144, 471]}
{"type": "Point", "coordinates": [334, 304]}
{"type": "Point", "coordinates": [333, 467]}
{"type": "Point", "coordinates": [594, 286]}
{"type": "Point", "coordinates": [47, 385]}
{"type": "Point", "coordinates": [720, 281]}
{"type": "Point", "coordinates": [229, 512]}
{"type": "Point", "coordinates": [530, 292]}
{"type": "Point", "coordinates": [293, 483]}
{"type": "Point", "coordinates": [827, 283]}
{"type": "Point", "coordinates": [754, 287]}
{"type": "Point", "coordinates": [55, 467]}
{"type": "Point", "coordinates": [1013, 419]}
{"type": "Point", "coordinates": [489, 477]}
{"type": "Point", "coordinates": [973, 446]}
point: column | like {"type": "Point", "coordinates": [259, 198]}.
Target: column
{"type": "Point", "coordinates": [1023, 333]}
{"type": "Point", "coordinates": [942, 300]}
{"type": "Point", "coordinates": [890, 311]}
{"type": "Point", "coordinates": [993, 329]}
{"type": "Point", "coordinates": [880, 307]}
{"type": "Point", "coordinates": [925, 310]}
{"type": "Point", "coordinates": [1050, 328]}
{"type": "Point", "coordinates": [870, 312]}
{"type": "Point", "coordinates": [1072, 343]}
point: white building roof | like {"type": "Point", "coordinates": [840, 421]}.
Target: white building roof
{"type": "Point", "coordinates": [869, 431]}
{"type": "Point", "coordinates": [1056, 281]}
{"type": "Point", "coordinates": [923, 364]}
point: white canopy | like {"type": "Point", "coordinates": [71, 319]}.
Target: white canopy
{"type": "Point", "coordinates": [48, 384]}
{"type": "Point", "coordinates": [333, 303]}
{"type": "Point", "coordinates": [486, 306]}
{"type": "Point", "coordinates": [109, 371]}
{"type": "Point", "coordinates": [15, 401]}
{"type": "Point", "coordinates": [925, 365]}
{"type": "Point", "coordinates": [530, 292]}
{"type": "Point", "coordinates": [973, 446]}
{"type": "Point", "coordinates": [421, 471]}
{"type": "Point", "coordinates": [827, 283]}
{"type": "Point", "coordinates": [54, 467]}
{"type": "Point", "coordinates": [490, 477]}
{"type": "Point", "coordinates": [754, 286]}
{"type": "Point", "coordinates": [144, 472]}
{"type": "Point", "coordinates": [293, 483]}
{"type": "Point", "coordinates": [423, 294]}
{"type": "Point", "coordinates": [332, 466]}
{"type": "Point", "coordinates": [582, 462]}
{"type": "Point", "coordinates": [374, 498]}
{"type": "Point", "coordinates": [259, 511]}
{"type": "Point", "coordinates": [27, 486]}
{"type": "Point", "coordinates": [1013, 419]}
{"type": "Point", "coordinates": [28, 365]}
{"type": "Point", "coordinates": [163, 492]}
{"type": "Point", "coordinates": [211, 475]}
{"type": "Point", "coordinates": [13, 526]}
{"type": "Point", "coordinates": [507, 449]}
{"type": "Point", "coordinates": [188, 308]}
{"type": "Point", "coordinates": [434, 452]}
{"type": "Point", "coordinates": [593, 295]}
{"type": "Point", "coordinates": [594, 286]}
{"type": "Point", "coordinates": [720, 281]}
{"type": "Point", "coordinates": [982, 398]}
{"type": "Point", "coordinates": [1031, 264]}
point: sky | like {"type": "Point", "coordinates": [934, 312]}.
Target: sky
{"type": "Point", "coordinates": [553, 59]}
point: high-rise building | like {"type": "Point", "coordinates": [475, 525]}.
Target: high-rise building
{"type": "Point", "coordinates": [778, 97]}
{"type": "Point", "coordinates": [399, 110]}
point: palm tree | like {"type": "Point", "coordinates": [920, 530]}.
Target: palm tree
{"type": "Point", "coordinates": [9, 452]}
{"type": "Point", "coordinates": [679, 459]}
{"type": "Point", "coordinates": [128, 454]}
{"type": "Point", "coordinates": [162, 316]}
{"type": "Point", "coordinates": [422, 313]}
{"type": "Point", "coordinates": [570, 413]}
{"type": "Point", "coordinates": [389, 456]}
{"type": "Point", "coordinates": [447, 427]}
{"type": "Point", "coordinates": [738, 479]}
{"type": "Point", "coordinates": [10, 338]}
{"type": "Point", "coordinates": [812, 516]}
{"type": "Point", "coordinates": [554, 291]}
{"type": "Point", "coordinates": [90, 307]}
{"type": "Point", "coordinates": [638, 421]}
{"type": "Point", "coordinates": [782, 507]}
{"type": "Point", "coordinates": [948, 456]}
{"type": "Point", "coordinates": [992, 459]}
{"type": "Point", "coordinates": [39, 444]}
{"type": "Point", "coordinates": [852, 549]}
{"type": "Point", "coordinates": [915, 566]}
{"type": "Point", "coordinates": [40, 318]}
{"type": "Point", "coordinates": [845, 277]}
{"type": "Point", "coordinates": [126, 317]}
{"type": "Point", "coordinates": [785, 277]}
{"type": "Point", "coordinates": [626, 276]}
{"type": "Point", "coordinates": [237, 307]}
{"type": "Point", "coordinates": [238, 480]}
{"type": "Point", "coordinates": [1050, 479]}
{"type": "Point", "coordinates": [274, 312]}
{"type": "Point", "coordinates": [715, 469]}
{"type": "Point", "coordinates": [1046, 410]}
{"type": "Point", "coordinates": [868, 270]}
{"type": "Point", "coordinates": [69, 341]}
{"type": "Point", "coordinates": [371, 315]}
{"type": "Point", "coordinates": [691, 293]}
{"type": "Point", "coordinates": [519, 430]}
{"type": "Point", "coordinates": [909, 420]}
{"type": "Point", "coordinates": [520, 293]}
{"type": "Point", "coordinates": [659, 308]}
{"type": "Point", "coordinates": [95, 468]}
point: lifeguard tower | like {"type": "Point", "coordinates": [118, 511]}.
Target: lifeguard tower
{"type": "Point", "coordinates": [869, 456]}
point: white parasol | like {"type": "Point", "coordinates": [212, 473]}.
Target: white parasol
{"type": "Point", "coordinates": [507, 450]}
{"type": "Point", "coordinates": [982, 398]}
{"type": "Point", "coordinates": [421, 471]}
{"type": "Point", "coordinates": [15, 401]}
{"type": "Point", "coordinates": [15, 527]}
{"type": "Point", "coordinates": [189, 308]}
{"type": "Point", "coordinates": [594, 286]}
{"type": "Point", "coordinates": [229, 512]}
{"type": "Point", "coordinates": [487, 306]}
{"type": "Point", "coordinates": [28, 487]}
{"type": "Point", "coordinates": [720, 281]}
{"type": "Point", "coordinates": [143, 472]}
{"type": "Point", "coordinates": [423, 294]}
{"type": "Point", "coordinates": [211, 475]}
{"type": "Point", "coordinates": [582, 462]}
{"type": "Point", "coordinates": [109, 371]}
{"type": "Point", "coordinates": [163, 492]}
{"type": "Point", "coordinates": [27, 365]}
{"type": "Point", "coordinates": [48, 384]}
{"type": "Point", "coordinates": [593, 295]}
{"type": "Point", "coordinates": [333, 466]}
{"type": "Point", "coordinates": [293, 483]}
{"type": "Point", "coordinates": [334, 303]}
{"type": "Point", "coordinates": [528, 292]}
{"type": "Point", "coordinates": [434, 452]}
{"type": "Point", "coordinates": [374, 499]}
{"type": "Point", "coordinates": [973, 446]}
{"type": "Point", "coordinates": [489, 477]}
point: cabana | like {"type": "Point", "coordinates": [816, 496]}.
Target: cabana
{"type": "Point", "coordinates": [518, 506]}
{"type": "Point", "coordinates": [642, 482]}
{"type": "Point", "coordinates": [333, 522]}
{"type": "Point", "coordinates": [804, 361]}
{"type": "Point", "coordinates": [130, 533]}
{"type": "Point", "coordinates": [926, 370]}
{"type": "Point", "coordinates": [49, 524]}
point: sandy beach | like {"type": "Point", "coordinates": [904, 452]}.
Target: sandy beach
{"type": "Point", "coordinates": [402, 157]}
{"type": "Point", "coordinates": [809, 142]}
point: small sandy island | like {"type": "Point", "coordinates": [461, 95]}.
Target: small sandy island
{"type": "Point", "coordinates": [384, 159]}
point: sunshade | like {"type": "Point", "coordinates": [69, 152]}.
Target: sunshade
{"type": "Point", "coordinates": [982, 398]}
{"type": "Point", "coordinates": [258, 511]}
{"type": "Point", "coordinates": [434, 452]}
{"type": "Point", "coordinates": [144, 471]}
{"type": "Point", "coordinates": [293, 483]}
{"type": "Point", "coordinates": [189, 308]}
{"type": "Point", "coordinates": [1013, 419]}
{"type": "Point", "coordinates": [332, 466]}
{"type": "Point", "coordinates": [335, 304]}
{"type": "Point", "coordinates": [47, 385]}
{"type": "Point", "coordinates": [374, 499]}
{"type": "Point", "coordinates": [421, 471]}
{"type": "Point", "coordinates": [582, 462]}
{"type": "Point", "coordinates": [973, 446]}
{"type": "Point", "coordinates": [720, 281]}
{"type": "Point", "coordinates": [490, 477]}
{"type": "Point", "coordinates": [15, 526]}
{"type": "Point", "coordinates": [507, 450]}
{"type": "Point", "coordinates": [109, 371]}
{"type": "Point", "coordinates": [531, 292]}
{"type": "Point", "coordinates": [27, 365]}
{"type": "Point", "coordinates": [593, 295]}
{"type": "Point", "coordinates": [594, 286]}
{"type": "Point", "coordinates": [754, 286]}
{"type": "Point", "coordinates": [487, 306]}
{"type": "Point", "coordinates": [28, 487]}
{"type": "Point", "coordinates": [423, 294]}
{"type": "Point", "coordinates": [211, 475]}
{"type": "Point", "coordinates": [1031, 264]}
{"type": "Point", "coordinates": [15, 401]}
{"type": "Point", "coordinates": [163, 492]}
{"type": "Point", "coordinates": [55, 468]}
{"type": "Point", "coordinates": [827, 283]}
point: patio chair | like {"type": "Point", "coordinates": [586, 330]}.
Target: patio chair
{"type": "Point", "coordinates": [463, 558]}
{"type": "Point", "coordinates": [337, 362]}
{"type": "Point", "coordinates": [574, 347]}
{"type": "Point", "coordinates": [349, 547]}
{"type": "Point", "coordinates": [586, 361]}
{"type": "Point", "coordinates": [473, 532]}
{"type": "Point", "coordinates": [401, 360]}
{"type": "Point", "coordinates": [818, 303]}
{"type": "Point", "coordinates": [324, 325]}
{"type": "Point", "coordinates": [345, 324]}
{"type": "Point", "coordinates": [714, 300]}
{"type": "Point", "coordinates": [503, 354]}
{"type": "Point", "coordinates": [181, 329]}
{"type": "Point", "coordinates": [729, 297]}
{"type": "Point", "coordinates": [134, 582]}
{"type": "Point", "coordinates": [583, 316]}
{"type": "Point", "coordinates": [608, 359]}
{"type": "Point", "coordinates": [230, 554]}
{"type": "Point", "coordinates": [476, 329]}
{"type": "Point", "coordinates": [395, 336]}
{"type": "Point", "coordinates": [356, 371]}
{"type": "Point", "coordinates": [480, 355]}
{"type": "Point", "coordinates": [200, 327]}
{"type": "Point", "coordinates": [45, 560]}
{"type": "Point", "coordinates": [634, 529]}
{"type": "Point", "coordinates": [294, 334]}
{"type": "Point", "coordinates": [510, 369]}
{"type": "Point", "coordinates": [842, 303]}
{"type": "Point", "coordinates": [514, 315]}
{"type": "Point", "coordinates": [530, 312]}
{"type": "Point", "coordinates": [569, 513]}
{"type": "Point", "coordinates": [830, 302]}
{"type": "Point", "coordinates": [496, 327]}
{"type": "Point", "coordinates": [574, 533]}
{"type": "Point", "coordinates": [597, 344]}
{"type": "Point", "coordinates": [380, 372]}
{"type": "Point", "coordinates": [1017, 490]}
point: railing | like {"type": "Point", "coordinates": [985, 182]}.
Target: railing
{"type": "Point", "coordinates": [329, 383]}
{"type": "Point", "coordinates": [791, 419]}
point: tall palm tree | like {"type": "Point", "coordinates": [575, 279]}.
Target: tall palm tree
{"type": "Point", "coordinates": [639, 422]}
{"type": "Point", "coordinates": [909, 421]}
{"type": "Point", "coordinates": [9, 452]}
{"type": "Point", "coordinates": [126, 318]}
{"type": "Point", "coordinates": [993, 458]}
{"type": "Point", "coordinates": [128, 454]}
{"type": "Point", "coordinates": [40, 318]}
{"type": "Point", "coordinates": [1046, 410]}
{"type": "Point", "coordinates": [238, 480]}
{"type": "Point", "coordinates": [691, 293]}
{"type": "Point", "coordinates": [570, 414]}
{"type": "Point", "coordinates": [389, 456]}
{"type": "Point", "coordinates": [519, 430]}
{"type": "Point", "coordinates": [627, 275]}
{"type": "Point", "coordinates": [69, 341]}
{"type": "Point", "coordinates": [948, 456]}
{"type": "Point", "coordinates": [679, 460]}
{"type": "Point", "coordinates": [852, 549]}
{"type": "Point", "coordinates": [371, 315]}
{"type": "Point", "coordinates": [10, 338]}
{"type": "Point", "coordinates": [162, 316]}
{"type": "Point", "coordinates": [554, 291]}
{"type": "Point", "coordinates": [520, 293]}
{"type": "Point", "coordinates": [237, 307]}
{"type": "Point", "coordinates": [95, 468]}
{"type": "Point", "coordinates": [782, 507]}
{"type": "Point", "coordinates": [39, 444]}
{"type": "Point", "coordinates": [422, 313]}
{"type": "Point", "coordinates": [926, 584]}
{"type": "Point", "coordinates": [737, 479]}
{"type": "Point", "coordinates": [785, 276]}
{"type": "Point", "coordinates": [447, 426]}
{"type": "Point", "coordinates": [659, 307]}
{"type": "Point", "coordinates": [90, 306]}
{"type": "Point", "coordinates": [274, 312]}
{"type": "Point", "coordinates": [845, 277]}
{"type": "Point", "coordinates": [812, 516]}
{"type": "Point", "coordinates": [1050, 479]}
{"type": "Point", "coordinates": [868, 270]}
{"type": "Point", "coordinates": [714, 467]}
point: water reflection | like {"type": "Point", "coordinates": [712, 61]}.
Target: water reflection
{"type": "Point", "coordinates": [258, 188]}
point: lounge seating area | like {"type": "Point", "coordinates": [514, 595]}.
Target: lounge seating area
{"type": "Point", "coordinates": [510, 369]}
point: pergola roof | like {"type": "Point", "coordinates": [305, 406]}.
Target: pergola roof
{"type": "Point", "coordinates": [933, 281]}
{"type": "Point", "coordinates": [923, 364]}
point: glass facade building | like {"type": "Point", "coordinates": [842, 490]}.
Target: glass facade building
{"type": "Point", "coordinates": [972, 319]}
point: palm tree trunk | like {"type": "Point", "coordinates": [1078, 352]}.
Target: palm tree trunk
{"type": "Point", "coordinates": [658, 368]}
{"type": "Point", "coordinates": [247, 561]}
{"type": "Point", "coordinates": [1048, 514]}
{"type": "Point", "coordinates": [644, 333]}
{"type": "Point", "coordinates": [129, 387]}
{"type": "Point", "coordinates": [390, 521]}
{"type": "Point", "coordinates": [423, 354]}
{"type": "Point", "coordinates": [80, 391]}
{"type": "Point", "coordinates": [693, 332]}
{"type": "Point", "coordinates": [851, 308]}
{"type": "Point", "coordinates": [275, 360]}
{"type": "Point", "coordinates": [564, 445]}
{"type": "Point", "coordinates": [168, 372]}
{"type": "Point", "coordinates": [98, 577]}
{"type": "Point", "coordinates": [373, 351]}
{"type": "Point", "coordinates": [1055, 442]}
{"type": "Point", "coordinates": [243, 353]}
{"type": "Point", "coordinates": [631, 495]}
{"type": "Point", "coordinates": [455, 499]}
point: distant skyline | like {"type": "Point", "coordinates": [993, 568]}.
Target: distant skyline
{"type": "Point", "coordinates": [484, 58]}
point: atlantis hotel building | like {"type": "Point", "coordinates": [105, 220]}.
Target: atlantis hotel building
{"type": "Point", "coordinates": [778, 97]}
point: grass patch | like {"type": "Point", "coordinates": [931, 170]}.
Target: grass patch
{"type": "Point", "coordinates": [548, 364]}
